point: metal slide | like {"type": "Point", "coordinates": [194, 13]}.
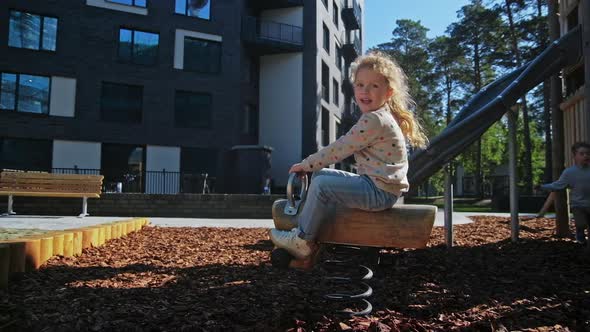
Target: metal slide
{"type": "Point", "coordinates": [490, 104]}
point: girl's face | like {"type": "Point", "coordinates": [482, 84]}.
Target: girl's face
{"type": "Point", "coordinates": [582, 157]}
{"type": "Point", "coordinates": [371, 90]}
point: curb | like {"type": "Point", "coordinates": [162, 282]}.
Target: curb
{"type": "Point", "coordinates": [28, 253]}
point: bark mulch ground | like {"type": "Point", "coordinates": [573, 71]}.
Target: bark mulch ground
{"type": "Point", "coordinates": [212, 279]}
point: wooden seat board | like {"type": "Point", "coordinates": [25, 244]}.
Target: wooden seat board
{"type": "Point", "coordinates": [403, 226]}
{"type": "Point", "coordinates": [23, 175]}
{"type": "Point", "coordinates": [54, 186]}
{"type": "Point", "coordinates": [50, 194]}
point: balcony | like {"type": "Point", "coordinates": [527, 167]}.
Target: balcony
{"type": "Point", "coordinates": [274, 4]}
{"type": "Point", "coordinates": [347, 87]}
{"type": "Point", "coordinates": [351, 49]}
{"type": "Point", "coordinates": [264, 37]}
{"type": "Point", "coordinates": [351, 16]}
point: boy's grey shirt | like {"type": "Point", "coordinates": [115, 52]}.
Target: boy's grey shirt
{"type": "Point", "coordinates": [578, 179]}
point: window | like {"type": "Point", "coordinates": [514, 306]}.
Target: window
{"type": "Point", "coordinates": [336, 92]}
{"type": "Point", "coordinates": [198, 161]}
{"type": "Point", "coordinates": [250, 121]}
{"type": "Point", "coordinates": [24, 93]}
{"type": "Point", "coordinates": [32, 31]}
{"type": "Point", "coordinates": [325, 127]}
{"type": "Point", "coordinates": [338, 56]}
{"type": "Point", "coordinates": [194, 8]}
{"type": "Point", "coordinates": [136, 3]}
{"type": "Point", "coordinates": [25, 154]}
{"type": "Point", "coordinates": [123, 163]}
{"type": "Point", "coordinates": [202, 55]}
{"type": "Point", "coordinates": [335, 13]}
{"type": "Point", "coordinates": [121, 103]}
{"type": "Point", "coordinates": [138, 47]}
{"type": "Point", "coordinates": [325, 82]}
{"type": "Point", "coordinates": [192, 110]}
{"type": "Point", "coordinates": [326, 39]}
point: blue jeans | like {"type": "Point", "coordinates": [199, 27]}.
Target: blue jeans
{"type": "Point", "coordinates": [331, 189]}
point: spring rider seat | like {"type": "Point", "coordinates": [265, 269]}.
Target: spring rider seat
{"type": "Point", "coordinates": [401, 226]}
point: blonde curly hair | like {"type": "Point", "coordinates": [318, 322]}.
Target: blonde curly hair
{"type": "Point", "coordinates": [400, 102]}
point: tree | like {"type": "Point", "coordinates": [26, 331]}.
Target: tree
{"type": "Point", "coordinates": [480, 35]}
{"type": "Point", "coordinates": [409, 47]}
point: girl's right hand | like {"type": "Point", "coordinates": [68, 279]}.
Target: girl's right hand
{"type": "Point", "coordinates": [297, 168]}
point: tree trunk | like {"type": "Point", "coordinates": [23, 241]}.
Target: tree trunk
{"type": "Point", "coordinates": [528, 147]}
{"type": "Point", "coordinates": [548, 176]}
{"type": "Point", "coordinates": [541, 39]}
{"type": "Point", "coordinates": [561, 208]}
{"type": "Point", "coordinates": [478, 169]}
{"type": "Point", "coordinates": [528, 150]}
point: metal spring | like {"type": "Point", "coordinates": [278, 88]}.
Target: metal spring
{"type": "Point", "coordinates": [341, 273]}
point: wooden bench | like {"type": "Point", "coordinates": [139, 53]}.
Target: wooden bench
{"type": "Point", "coordinates": [39, 184]}
{"type": "Point", "coordinates": [402, 226]}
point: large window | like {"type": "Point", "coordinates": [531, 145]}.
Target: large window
{"type": "Point", "coordinates": [250, 120]}
{"type": "Point", "coordinates": [338, 57]}
{"type": "Point", "coordinates": [325, 127]}
{"type": "Point", "coordinates": [198, 161]}
{"type": "Point", "coordinates": [138, 47]}
{"type": "Point", "coordinates": [121, 103]}
{"type": "Point", "coordinates": [25, 154]}
{"type": "Point", "coordinates": [203, 56]}
{"type": "Point", "coordinates": [335, 13]}
{"type": "Point", "coordinates": [136, 3]}
{"type": "Point", "coordinates": [326, 39]}
{"type": "Point", "coordinates": [32, 31]}
{"type": "Point", "coordinates": [325, 82]}
{"type": "Point", "coordinates": [125, 164]}
{"type": "Point", "coordinates": [194, 8]}
{"type": "Point", "coordinates": [24, 93]}
{"type": "Point", "coordinates": [192, 110]}
{"type": "Point", "coordinates": [336, 92]}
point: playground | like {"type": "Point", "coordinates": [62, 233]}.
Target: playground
{"type": "Point", "coordinates": [380, 244]}
{"type": "Point", "coordinates": [213, 279]}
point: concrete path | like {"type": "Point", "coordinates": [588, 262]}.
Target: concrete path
{"type": "Point", "coordinates": [67, 222]}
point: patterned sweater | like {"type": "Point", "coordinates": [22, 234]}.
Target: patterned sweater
{"type": "Point", "coordinates": [379, 148]}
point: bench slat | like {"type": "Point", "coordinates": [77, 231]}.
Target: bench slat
{"type": "Point", "coordinates": [25, 175]}
{"type": "Point", "coordinates": [51, 194]}
{"type": "Point", "coordinates": [48, 183]}
{"type": "Point", "coordinates": [51, 189]}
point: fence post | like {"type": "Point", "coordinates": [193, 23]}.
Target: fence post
{"type": "Point", "coordinates": [164, 180]}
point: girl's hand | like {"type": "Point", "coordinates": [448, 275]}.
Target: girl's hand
{"type": "Point", "coordinates": [297, 168]}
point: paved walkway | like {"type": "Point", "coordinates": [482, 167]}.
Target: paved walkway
{"type": "Point", "coordinates": [67, 222]}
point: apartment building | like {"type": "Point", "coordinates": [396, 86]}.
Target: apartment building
{"type": "Point", "coordinates": [153, 93]}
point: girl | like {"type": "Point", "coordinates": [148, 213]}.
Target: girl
{"type": "Point", "coordinates": [378, 142]}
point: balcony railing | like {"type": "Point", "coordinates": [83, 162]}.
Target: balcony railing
{"type": "Point", "coordinates": [351, 49]}
{"type": "Point", "coordinates": [274, 4]}
{"type": "Point", "coordinates": [351, 16]}
{"type": "Point", "coordinates": [272, 37]}
{"type": "Point", "coordinates": [148, 182]}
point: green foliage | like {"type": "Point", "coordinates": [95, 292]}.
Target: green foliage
{"type": "Point", "coordinates": [446, 71]}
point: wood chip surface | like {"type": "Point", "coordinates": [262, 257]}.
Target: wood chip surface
{"type": "Point", "coordinates": [220, 279]}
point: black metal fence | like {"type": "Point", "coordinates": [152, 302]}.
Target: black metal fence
{"type": "Point", "coordinates": [148, 182]}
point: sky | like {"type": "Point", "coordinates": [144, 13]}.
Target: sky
{"type": "Point", "coordinates": [380, 17]}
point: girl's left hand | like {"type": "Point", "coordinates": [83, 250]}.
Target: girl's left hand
{"type": "Point", "coordinates": [296, 168]}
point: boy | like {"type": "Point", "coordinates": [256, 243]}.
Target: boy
{"type": "Point", "coordinates": [577, 178]}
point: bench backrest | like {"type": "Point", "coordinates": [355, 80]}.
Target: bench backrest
{"type": "Point", "coordinates": [38, 182]}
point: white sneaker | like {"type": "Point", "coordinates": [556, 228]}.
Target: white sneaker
{"type": "Point", "coordinates": [290, 241]}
